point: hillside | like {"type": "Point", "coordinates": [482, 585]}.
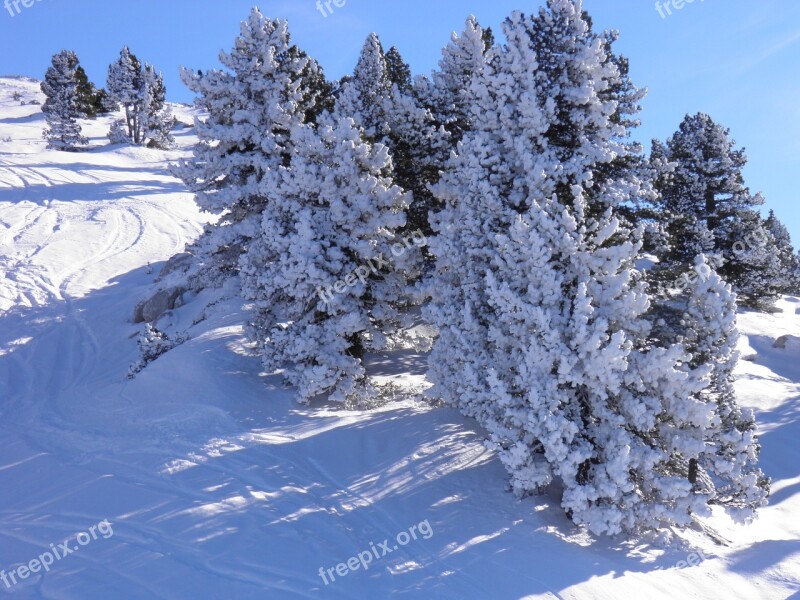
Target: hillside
{"type": "Point", "coordinates": [217, 485]}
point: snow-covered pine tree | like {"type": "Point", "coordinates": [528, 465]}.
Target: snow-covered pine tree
{"type": "Point", "coordinates": [252, 105]}
{"type": "Point", "coordinates": [321, 275]}
{"type": "Point", "coordinates": [784, 251]}
{"type": "Point", "coordinates": [140, 90]}
{"type": "Point", "coordinates": [366, 95]}
{"type": "Point", "coordinates": [315, 92]}
{"type": "Point", "coordinates": [118, 134]}
{"type": "Point", "coordinates": [795, 280]}
{"type": "Point", "coordinates": [754, 262]}
{"type": "Point", "coordinates": [539, 306]}
{"type": "Point", "coordinates": [154, 116]}
{"type": "Point", "coordinates": [709, 210]}
{"type": "Point", "coordinates": [728, 466]}
{"type": "Point", "coordinates": [390, 114]}
{"type": "Point", "coordinates": [124, 85]}
{"type": "Point", "coordinates": [62, 106]}
{"type": "Point", "coordinates": [447, 95]}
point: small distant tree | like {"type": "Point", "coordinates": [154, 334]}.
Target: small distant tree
{"type": "Point", "coordinates": [90, 99]}
{"type": "Point", "coordinates": [62, 107]}
{"type": "Point", "coordinates": [787, 259]}
{"type": "Point", "coordinates": [156, 118]}
{"type": "Point", "coordinates": [123, 85]}
{"type": "Point", "coordinates": [707, 209]}
{"type": "Point", "coordinates": [140, 91]}
{"type": "Point", "coordinates": [753, 265]}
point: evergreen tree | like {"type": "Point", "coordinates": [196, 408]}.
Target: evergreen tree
{"type": "Point", "coordinates": [100, 102]}
{"type": "Point", "coordinates": [391, 115]}
{"type": "Point", "coordinates": [91, 101]}
{"type": "Point", "coordinates": [86, 93]}
{"type": "Point", "coordinates": [141, 93]}
{"type": "Point", "coordinates": [786, 257]}
{"type": "Point", "coordinates": [539, 307]}
{"type": "Point", "coordinates": [727, 468]}
{"type": "Point", "coordinates": [124, 85]}
{"type": "Point", "coordinates": [754, 262]}
{"type": "Point", "coordinates": [398, 71]}
{"type": "Point", "coordinates": [709, 210]}
{"type": "Point", "coordinates": [316, 275]}
{"type": "Point", "coordinates": [62, 106]}
{"type": "Point", "coordinates": [448, 94]}
{"type": "Point", "coordinates": [366, 96]}
{"type": "Point", "coordinates": [252, 105]}
{"type": "Point", "coordinates": [316, 92]}
{"type": "Point", "coordinates": [155, 117]}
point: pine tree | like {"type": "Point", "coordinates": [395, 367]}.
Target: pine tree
{"type": "Point", "coordinates": [754, 262]}
{"type": "Point", "coordinates": [540, 311]}
{"type": "Point", "coordinates": [62, 107]}
{"type": "Point", "coordinates": [448, 94]}
{"type": "Point", "coordinates": [709, 210]}
{"type": "Point", "coordinates": [390, 114]}
{"type": "Point", "coordinates": [784, 253]}
{"type": "Point", "coordinates": [727, 467]}
{"type": "Point", "coordinates": [315, 91]}
{"type": "Point", "coordinates": [398, 71]}
{"type": "Point", "coordinates": [155, 117]}
{"type": "Point", "coordinates": [91, 101]}
{"type": "Point", "coordinates": [366, 96]}
{"type": "Point", "coordinates": [266, 88]}
{"type": "Point", "coordinates": [124, 85]}
{"type": "Point", "coordinates": [86, 93]}
{"type": "Point", "coordinates": [140, 90]}
{"type": "Point", "coordinates": [323, 295]}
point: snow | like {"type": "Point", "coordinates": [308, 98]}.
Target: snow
{"type": "Point", "coordinates": [218, 485]}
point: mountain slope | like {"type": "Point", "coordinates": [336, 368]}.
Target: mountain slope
{"type": "Point", "coordinates": [217, 485]}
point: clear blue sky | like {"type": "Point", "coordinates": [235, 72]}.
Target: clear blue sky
{"type": "Point", "coordinates": [738, 60]}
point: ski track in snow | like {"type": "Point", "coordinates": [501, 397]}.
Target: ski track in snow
{"type": "Point", "coordinates": [218, 486]}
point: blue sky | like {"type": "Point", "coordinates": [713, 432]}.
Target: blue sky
{"type": "Point", "coordinates": [738, 60]}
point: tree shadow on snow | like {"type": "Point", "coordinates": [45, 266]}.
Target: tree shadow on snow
{"type": "Point", "coordinates": [213, 464]}
{"type": "Point", "coordinates": [90, 191]}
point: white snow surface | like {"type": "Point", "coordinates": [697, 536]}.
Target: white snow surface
{"type": "Point", "coordinates": [218, 485]}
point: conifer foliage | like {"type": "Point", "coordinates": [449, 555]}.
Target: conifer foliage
{"type": "Point", "coordinates": [727, 467]}
{"type": "Point", "coordinates": [91, 101]}
{"type": "Point", "coordinates": [379, 98]}
{"type": "Point", "coordinates": [541, 313]}
{"type": "Point", "coordinates": [62, 107]}
{"type": "Point", "coordinates": [140, 91]}
{"type": "Point", "coordinates": [707, 209]}
{"type": "Point", "coordinates": [518, 159]}
{"type": "Point", "coordinates": [320, 274]}
{"type": "Point", "coordinates": [266, 88]}
{"type": "Point", "coordinates": [448, 95]}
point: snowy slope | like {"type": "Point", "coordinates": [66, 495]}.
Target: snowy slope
{"type": "Point", "coordinates": [218, 486]}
